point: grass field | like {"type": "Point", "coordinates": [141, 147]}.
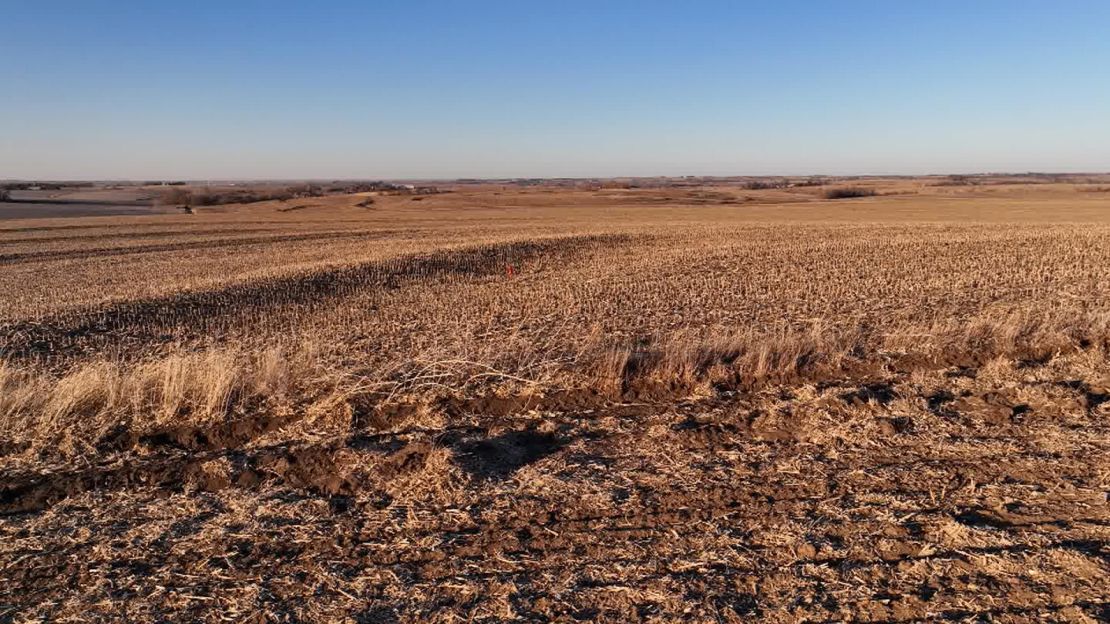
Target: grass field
{"type": "Point", "coordinates": [705, 403]}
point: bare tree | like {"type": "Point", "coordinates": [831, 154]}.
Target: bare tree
{"type": "Point", "coordinates": [177, 197]}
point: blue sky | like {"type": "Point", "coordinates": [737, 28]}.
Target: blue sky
{"type": "Point", "coordinates": [363, 89]}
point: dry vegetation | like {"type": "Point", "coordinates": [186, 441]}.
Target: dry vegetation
{"type": "Point", "coordinates": [707, 404]}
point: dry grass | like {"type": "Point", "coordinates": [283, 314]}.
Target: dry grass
{"type": "Point", "coordinates": [523, 308]}
{"type": "Point", "coordinates": [707, 404]}
{"type": "Point", "coordinates": [76, 412]}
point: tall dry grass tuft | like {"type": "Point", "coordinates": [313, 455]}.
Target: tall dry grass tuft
{"type": "Point", "coordinates": [197, 387]}
{"type": "Point", "coordinates": [1010, 333]}
{"type": "Point", "coordinates": [780, 355]}
{"type": "Point", "coordinates": [21, 393]}
{"type": "Point", "coordinates": [70, 414]}
{"type": "Point", "coordinates": [76, 412]}
{"type": "Point", "coordinates": [789, 354]}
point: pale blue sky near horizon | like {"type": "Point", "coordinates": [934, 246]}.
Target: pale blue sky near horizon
{"type": "Point", "coordinates": [421, 89]}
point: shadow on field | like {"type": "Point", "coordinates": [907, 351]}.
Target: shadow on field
{"type": "Point", "coordinates": [498, 457]}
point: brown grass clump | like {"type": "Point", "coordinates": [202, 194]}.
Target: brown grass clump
{"type": "Point", "coordinates": [100, 401]}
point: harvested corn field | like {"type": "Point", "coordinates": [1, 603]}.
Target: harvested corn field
{"type": "Point", "coordinates": [712, 404]}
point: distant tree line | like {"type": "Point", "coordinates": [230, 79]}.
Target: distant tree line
{"type": "Point", "coordinates": [209, 197]}
{"type": "Point", "coordinates": [41, 186]}
{"type": "Point", "coordinates": [781, 183]}
{"type": "Point", "coordinates": [760, 185]}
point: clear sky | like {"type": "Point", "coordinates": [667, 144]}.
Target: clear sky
{"type": "Point", "coordinates": [401, 89]}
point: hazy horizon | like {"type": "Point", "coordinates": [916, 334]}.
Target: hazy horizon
{"type": "Point", "coordinates": [133, 180]}
{"type": "Point", "coordinates": [426, 90]}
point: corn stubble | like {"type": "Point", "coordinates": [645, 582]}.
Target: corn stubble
{"type": "Point", "coordinates": [560, 405]}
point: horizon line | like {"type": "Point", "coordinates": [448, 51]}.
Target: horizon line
{"type": "Point", "coordinates": [555, 178]}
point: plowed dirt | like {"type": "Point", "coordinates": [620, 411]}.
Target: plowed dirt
{"type": "Point", "coordinates": [976, 496]}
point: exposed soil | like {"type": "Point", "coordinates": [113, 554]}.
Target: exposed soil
{"type": "Point", "coordinates": [956, 494]}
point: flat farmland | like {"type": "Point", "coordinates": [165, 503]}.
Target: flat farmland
{"type": "Point", "coordinates": [79, 201]}
{"type": "Point", "coordinates": [703, 403]}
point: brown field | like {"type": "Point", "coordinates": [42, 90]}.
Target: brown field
{"type": "Point", "coordinates": [705, 402]}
